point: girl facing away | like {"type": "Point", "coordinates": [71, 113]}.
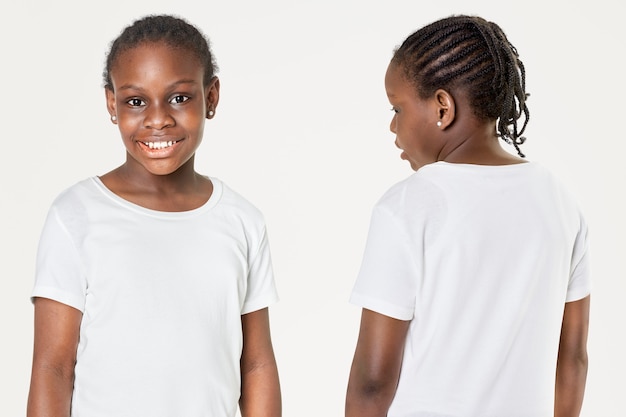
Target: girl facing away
{"type": "Point", "coordinates": [475, 279]}
{"type": "Point", "coordinates": [153, 282]}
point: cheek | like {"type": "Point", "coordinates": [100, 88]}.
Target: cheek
{"type": "Point", "coordinates": [194, 125]}
{"type": "Point", "coordinates": [199, 119]}
{"type": "Point", "coordinates": [409, 131]}
{"type": "Point", "coordinates": [127, 127]}
{"type": "Point", "coordinates": [191, 116]}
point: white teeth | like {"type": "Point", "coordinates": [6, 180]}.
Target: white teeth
{"type": "Point", "coordinates": [159, 145]}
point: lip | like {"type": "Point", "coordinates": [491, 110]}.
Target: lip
{"type": "Point", "coordinates": [160, 147]}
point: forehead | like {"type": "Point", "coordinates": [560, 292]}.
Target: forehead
{"type": "Point", "coordinates": [396, 81]}
{"type": "Point", "coordinates": [153, 58]}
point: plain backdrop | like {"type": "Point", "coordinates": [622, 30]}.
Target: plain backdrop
{"type": "Point", "coordinates": [302, 130]}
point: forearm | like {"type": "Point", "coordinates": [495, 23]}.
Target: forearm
{"type": "Point", "coordinates": [571, 376]}
{"type": "Point", "coordinates": [50, 392]}
{"type": "Point", "coordinates": [260, 391]}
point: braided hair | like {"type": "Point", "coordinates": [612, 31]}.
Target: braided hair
{"type": "Point", "coordinates": [471, 54]}
{"type": "Point", "coordinates": [174, 31]}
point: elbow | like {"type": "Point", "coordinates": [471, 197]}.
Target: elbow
{"type": "Point", "coordinates": [63, 373]}
{"type": "Point", "coordinates": [582, 361]}
{"type": "Point", "coordinates": [579, 365]}
{"type": "Point", "coordinates": [573, 365]}
{"type": "Point", "coordinates": [577, 358]}
{"type": "Point", "coordinates": [371, 391]}
{"type": "Point", "coordinates": [373, 388]}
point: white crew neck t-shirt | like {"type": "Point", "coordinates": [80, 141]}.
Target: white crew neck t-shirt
{"type": "Point", "coordinates": [162, 294]}
{"type": "Point", "coordinates": [481, 260]}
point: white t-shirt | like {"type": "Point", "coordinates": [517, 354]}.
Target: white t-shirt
{"type": "Point", "coordinates": [482, 260]}
{"type": "Point", "coordinates": [162, 294]}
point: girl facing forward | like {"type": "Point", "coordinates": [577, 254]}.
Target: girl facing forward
{"type": "Point", "coordinates": [475, 280]}
{"type": "Point", "coordinates": [153, 281]}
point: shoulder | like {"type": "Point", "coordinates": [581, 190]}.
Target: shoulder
{"type": "Point", "coordinates": [421, 191]}
{"type": "Point", "coordinates": [553, 187]}
{"type": "Point", "coordinates": [71, 210]}
{"type": "Point", "coordinates": [234, 204]}
{"type": "Point", "coordinates": [77, 197]}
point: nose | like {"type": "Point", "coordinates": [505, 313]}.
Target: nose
{"type": "Point", "coordinates": [392, 125]}
{"type": "Point", "coordinates": [158, 117]}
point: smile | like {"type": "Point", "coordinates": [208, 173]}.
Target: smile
{"type": "Point", "coordinates": [160, 145]}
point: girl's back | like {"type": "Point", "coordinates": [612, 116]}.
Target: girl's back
{"type": "Point", "coordinates": [479, 259]}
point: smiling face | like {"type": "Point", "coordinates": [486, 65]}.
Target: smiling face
{"type": "Point", "coordinates": [414, 121]}
{"type": "Point", "coordinates": [160, 102]}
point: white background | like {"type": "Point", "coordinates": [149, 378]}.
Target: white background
{"type": "Point", "coordinates": [302, 132]}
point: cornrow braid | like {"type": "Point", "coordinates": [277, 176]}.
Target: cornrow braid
{"type": "Point", "coordinates": [470, 54]}
{"type": "Point", "coordinates": [172, 30]}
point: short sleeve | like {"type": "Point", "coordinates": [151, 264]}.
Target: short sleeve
{"type": "Point", "coordinates": [261, 290]}
{"type": "Point", "coordinates": [580, 272]}
{"type": "Point", "coordinates": [387, 279]}
{"type": "Point", "coordinates": [59, 274]}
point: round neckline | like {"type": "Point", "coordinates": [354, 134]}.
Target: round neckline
{"type": "Point", "coordinates": [208, 205]}
{"type": "Point", "coordinates": [480, 166]}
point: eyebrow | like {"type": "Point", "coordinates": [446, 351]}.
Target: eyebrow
{"type": "Point", "coordinates": [173, 85]}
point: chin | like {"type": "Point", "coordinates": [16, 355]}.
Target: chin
{"type": "Point", "coordinates": [161, 171]}
{"type": "Point", "coordinates": [416, 165]}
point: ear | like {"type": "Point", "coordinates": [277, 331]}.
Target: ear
{"type": "Point", "coordinates": [446, 108]}
{"type": "Point", "coordinates": [111, 107]}
{"type": "Point", "coordinates": [212, 97]}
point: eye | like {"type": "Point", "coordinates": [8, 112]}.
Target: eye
{"type": "Point", "coordinates": [136, 102]}
{"type": "Point", "coordinates": [393, 109]}
{"type": "Point", "coordinates": [179, 99]}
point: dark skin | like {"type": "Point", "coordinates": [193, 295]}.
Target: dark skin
{"type": "Point", "coordinates": [54, 355]}
{"type": "Point", "coordinates": [378, 360]}
{"type": "Point", "coordinates": [460, 137]}
{"type": "Point", "coordinates": [376, 365]}
{"type": "Point", "coordinates": [160, 96]}
{"type": "Point", "coordinates": [169, 194]}
{"type": "Point", "coordinates": [572, 362]}
{"type": "Point", "coordinates": [442, 127]}
{"type": "Point", "coordinates": [260, 388]}
{"type": "Point", "coordinates": [57, 329]}
{"type": "Point", "coordinates": [160, 102]}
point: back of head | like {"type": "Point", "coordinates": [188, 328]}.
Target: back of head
{"type": "Point", "coordinates": [472, 55]}
{"type": "Point", "coordinates": [171, 30]}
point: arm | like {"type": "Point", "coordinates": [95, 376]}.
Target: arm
{"type": "Point", "coordinates": [54, 356]}
{"type": "Point", "coordinates": [260, 388]}
{"type": "Point", "coordinates": [376, 365]}
{"type": "Point", "coordinates": [571, 367]}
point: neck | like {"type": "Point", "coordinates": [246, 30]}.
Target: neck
{"type": "Point", "coordinates": [184, 179]}
{"type": "Point", "coordinates": [181, 190]}
{"type": "Point", "coordinates": [475, 142]}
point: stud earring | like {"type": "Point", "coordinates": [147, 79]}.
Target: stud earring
{"type": "Point", "coordinates": [114, 118]}
{"type": "Point", "coordinates": [439, 123]}
{"type": "Point", "coordinates": [210, 113]}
